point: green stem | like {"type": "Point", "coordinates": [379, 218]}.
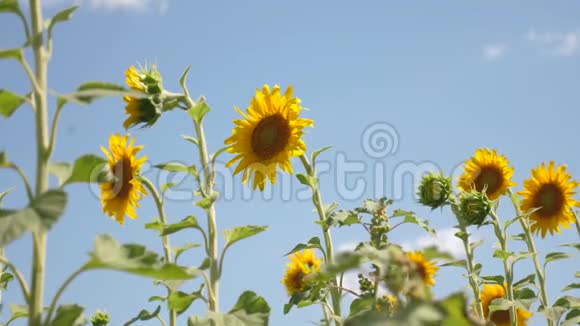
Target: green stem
{"type": "Point", "coordinates": [64, 285]}
{"type": "Point", "coordinates": [576, 222]}
{"type": "Point", "coordinates": [39, 238]}
{"type": "Point", "coordinates": [506, 266]}
{"type": "Point", "coordinates": [21, 173]}
{"type": "Point", "coordinates": [471, 271]}
{"type": "Point", "coordinates": [19, 277]}
{"type": "Point", "coordinates": [317, 201]}
{"type": "Point", "coordinates": [53, 128]}
{"type": "Point", "coordinates": [524, 221]}
{"type": "Point", "coordinates": [164, 239]}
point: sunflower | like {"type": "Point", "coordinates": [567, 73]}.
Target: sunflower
{"type": "Point", "coordinates": [119, 197]}
{"type": "Point", "coordinates": [549, 189]}
{"type": "Point", "coordinates": [487, 171]}
{"type": "Point", "coordinates": [300, 265]}
{"type": "Point", "coordinates": [141, 110]}
{"type": "Point", "coordinates": [425, 268]}
{"type": "Point", "coordinates": [268, 136]}
{"type": "Point", "coordinates": [500, 317]}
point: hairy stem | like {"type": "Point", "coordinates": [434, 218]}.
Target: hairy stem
{"type": "Point", "coordinates": [64, 285]}
{"type": "Point", "coordinates": [18, 275]}
{"type": "Point", "coordinates": [317, 201]}
{"type": "Point", "coordinates": [471, 271]}
{"type": "Point", "coordinates": [524, 221]}
{"type": "Point", "coordinates": [40, 104]}
{"type": "Point", "coordinates": [164, 240]}
{"type": "Point", "coordinates": [506, 266]}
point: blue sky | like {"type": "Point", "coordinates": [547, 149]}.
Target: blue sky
{"type": "Point", "coordinates": [447, 77]}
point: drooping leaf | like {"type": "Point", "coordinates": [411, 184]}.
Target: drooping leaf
{"type": "Point", "coordinates": [572, 318]}
{"type": "Point", "coordinates": [424, 224]}
{"type": "Point", "coordinates": [190, 139]}
{"type": "Point", "coordinates": [251, 305]}
{"type": "Point", "coordinates": [89, 91]}
{"type": "Point", "coordinates": [40, 215]}
{"type": "Point", "coordinates": [236, 234]}
{"type": "Point", "coordinates": [500, 304]}
{"type": "Point", "coordinates": [313, 243]}
{"type": "Point", "coordinates": [17, 311]}
{"type": "Point", "coordinates": [144, 315]}
{"type": "Point", "coordinates": [61, 170]}
{"type": "Point", "coordinates": [60, 17]}
{"type": "Point", "coordinates": [69, 315]}
{"type": "Point", "coordinates": [307, 180]}
{"type": "Point", "coordinates": [5, 279]}
{"type": "Point", "coordinates": [180, 301]}
{"type": "Point", "coordinates": [524, 297]}
{"type": "Point", "coordinates": [199, 110]}
{"type": "Point", "coordinates": [493, 279]}
{"type": "Point", "coordinates": [189, 222]}
{"type": "Point", "coordinates": [318, 152]}
{"type": "Point", "coordinates": [553, 256]}
{"type": "Point", "coordinates": [206, 202]}
{"type": "Point", "coordinates": [571, 286]}
{"type": "Point", "coordinates": [9, 101]}
{"type": "Point", "coordinates": [526, 281]}
{"type": "Point", "coordinates": [361, 304]}
{"type": "Point", "coordinates": [343, 218]}
{"type": "Point", "coordinates": [134, 259]}
{"type": "Point", "coordinates": [183, 248]}
{"type": "Point", "coordinates": [88, 168]}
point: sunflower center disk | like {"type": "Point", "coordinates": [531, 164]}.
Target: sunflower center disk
{"type": "Point", "coordinates": [123, 175]}
{"type": "Point", "coordinates": [490, 178]}
{"type": "Point", "coordinates": [501, 317]}
{"type": "Point", "coordinates": [270, 136]}
{"type": "Point", "coordinates": [550, 198]}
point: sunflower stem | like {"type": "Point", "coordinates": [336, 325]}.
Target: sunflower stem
{"type": "Point", "coordinates": [576, 222]}
{"type": "Point", "coordinates": [41, 117]}
{"type": "Point", "coordinates": [317, 201]}
{"type": "Point", "coordinates": [59, 292]}
{"type": "Point", "coordinates": [164, 239]}
{"type": "Point", "coordinates": [501, 236]}
{"type": "Point", "coordinates": [206, 187]}
{"type": "Point", "coordinates": [524, 221]}
{"type": "Point", "coordinates": [17, 274]}
{"type": "Point", "coordinates": [471, 272]}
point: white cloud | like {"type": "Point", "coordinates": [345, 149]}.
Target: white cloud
{"type": "Point", "coordinates": [492, 52]}
{"type": "Point", "coordinates": [560, 44]}
{"type": "Point", "coordinates": [445, 240]}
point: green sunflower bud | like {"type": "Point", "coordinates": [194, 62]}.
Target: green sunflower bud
{"type": "Point", "coordinates": [473, 208]}
{"type": "Point", "coordinates": [100, 318]}
{"type": "Point", "coordinates": [434, 190]}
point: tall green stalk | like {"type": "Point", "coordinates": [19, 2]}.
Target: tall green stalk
{"type": "Point", "coordinates": [471, 272]}
{"type": "Point", "coordinates": [317, 201]}
{"type": "Point", "coordinates": [164, 239]}
{"type": "Point", "coordinates": [524, 221]}
{"type": "Point", "coordinates": [40, 106]}
{"type": "Point", "coordinates": [506, 266]}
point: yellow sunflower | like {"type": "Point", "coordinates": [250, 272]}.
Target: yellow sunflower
{"type": "Point", "coordinates": [550, 189]}
{"type": "Point", "coordinates": [300, 265]}
{"type": "Point", "coordinates": [119, 197]}
{"type": "Point", "coordinates": [268, 136]}
{"type": "Point", "coordinates": [500, 317]}
{"type": "Point", "coordinates": [425, 268]}
{"type": "Point", "coordinates": [488, 171]}
{"type": "Point", "coordinates": [140, 110]}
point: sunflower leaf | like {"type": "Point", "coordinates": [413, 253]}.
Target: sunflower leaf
{"type": "Point", "coordinates": [69, 315]}
{"type": "Point", "coordinates": [134, 259]}
{"type": "Point", "coordinates": [60, 17]}
{"type": "Point", "coordinates": [183, 248]}
{"type": "Point", "coordinates": [307, 180]}
{"type": "Point", "coordinates": [17, 311]}
{"type": "Point", "coordinates": [199, 110]}
{"type": "Point", "coordinates": [143, 316]}
{"type": "Point", "coordinates": [252, 305]}
{"type": "Point", "coordinates": [236, 234]}
{"type": "Point", "coordinates": [313, 243]}
{"type": "Point", "coordinates": [553, 256]}
{"type": "Point", "coordinates": [571, 286]}
{"type": "Point", "coordinates": [61, 170]}
{"type": "Point", "coordinates": [572, 245]}
{"type": "Point", "coordinates": [15, 54]}
{"type": "Point", "coordinates": [493, 279]}
{"type": "Point", "coordinates": [526, 281]}
{"type": "Point", "coordinates": [190, 222]}
{"type": "Point", "coordinates": [180, 301]}
{"type": "Point", "coordinates": [500, 304]}
{"type": "Point", "coordinates": [572, 318]}
{"type": "Point", "coordinates": [502, 254]}
{"type": "Point", "coordinates": [9, 101]}
{"type": "Point", "coordinates": [88, 168]}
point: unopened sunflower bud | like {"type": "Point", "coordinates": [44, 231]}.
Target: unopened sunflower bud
{"type": "Point", "coordinates": [473, 208]}
{"type": "Point", "coordinates": [147, 108]}
{"type": "Point", "coordinates": [434, 190]}
{"type": "Point", "coordinates": [100, 318]}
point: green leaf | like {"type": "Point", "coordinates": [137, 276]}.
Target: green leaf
{"type": "Point", "coordinates": [316, 153]}
{"type": "Point", "coordinates": [518, 237]}
{"type": "Point", "coordinates": [493, 279]}
{"type": "Point", "coordinates": [205, 264]}
{"type": "Point", "coordinates": [183, 248]}
{"type": "Point", "coordinates": [60, 17]}
{"type": "Point", "coordinates": [521, 255]}
{"type": "Point", "coordinates": [524, 298]}
{"type": "Point", "coordinates": [251, 306]}
{"type": "Point", "coordinates": [572, 318]}
{"type": "Point", "coordinates": [2, 195]}
{"type": "Point", "coordinates": [190, 139]}
{"type": "Point", "coordinates": [166, 186]}
{"type": "Point", "coordinates": [526, 281]}
{"type": "Point", "coordinates": [183, 77]}
{"type": "Point", "coordinates": [502, 254]}
{"type": "Point", "coordinates": [553, 256]}
{"type": "Point", "coordinates": [173, 167]}
{"type": "Point", "coordinates": [206, 202]}
{"type": "Point", "coordinates": [157, 298]}
{"type": "Point", "coordinates": [456, 310]}
{"type": "Point", "coordinates": [89, 91]}
{"type": "Point", "coordinates": [571, 286]}
{"type": "Point", "coordinates": [87, 169]}
{"type": "Point", "coordinates": [17, 311]}
{"type": "Point", "coordinates": [9, 101]}
{"type": "Point", "coordinates": [377, 207]}
{"type": "Point", "coordinates": [476, 244]}
{"type": "Point", "coordinates": [40, 215]}
{"type": "Point", "coordinates": [424, 224]}
{"type": "Point", "coordinates": [236, 234]}
{"type": "Point", "coordinates": [61, 170]}
{"type": "Point", "coordinates": [307, 180]}
{"type": "Point", "coordinates": [155, 225]}
{"type": "Point", "coordinates": [144, 315]}
{"type": "Point", "coordinates": [5, 279]}
{"type": "Point", "coordinates": [180, 301]}
{"type": "Point", "coordinates": [15, 54]}
{"type": "Point", "coordinates": [313, 243]}
{"type": "Point", "coordinates": [69, 315]}
{"type": "Point", "coordinates": [134, 259]}
{"type": "Point", "coordinates": [343, 218]}
{"type": "Point", "coordinates": [361, 304]}
{"type": "Point", "coordinates": [500, 304]}
{"type": "Point", "coordinates": [343, 262]}
{"type": "Point", "coordinates": [189, 222]}
{"type": "Point", "coordinates": [199, 109]}
{"type": "Point", "coordinates": [571, 245]}
{"type": "Point", "coordinates": [457, 263]}
{"type": "Point", "coordinates": [433, 252]}
{"type": "Point", "coordinates": [9, 6]}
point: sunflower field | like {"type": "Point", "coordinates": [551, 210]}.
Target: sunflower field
{"type": "Point", "coordinates": [195, 254]}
